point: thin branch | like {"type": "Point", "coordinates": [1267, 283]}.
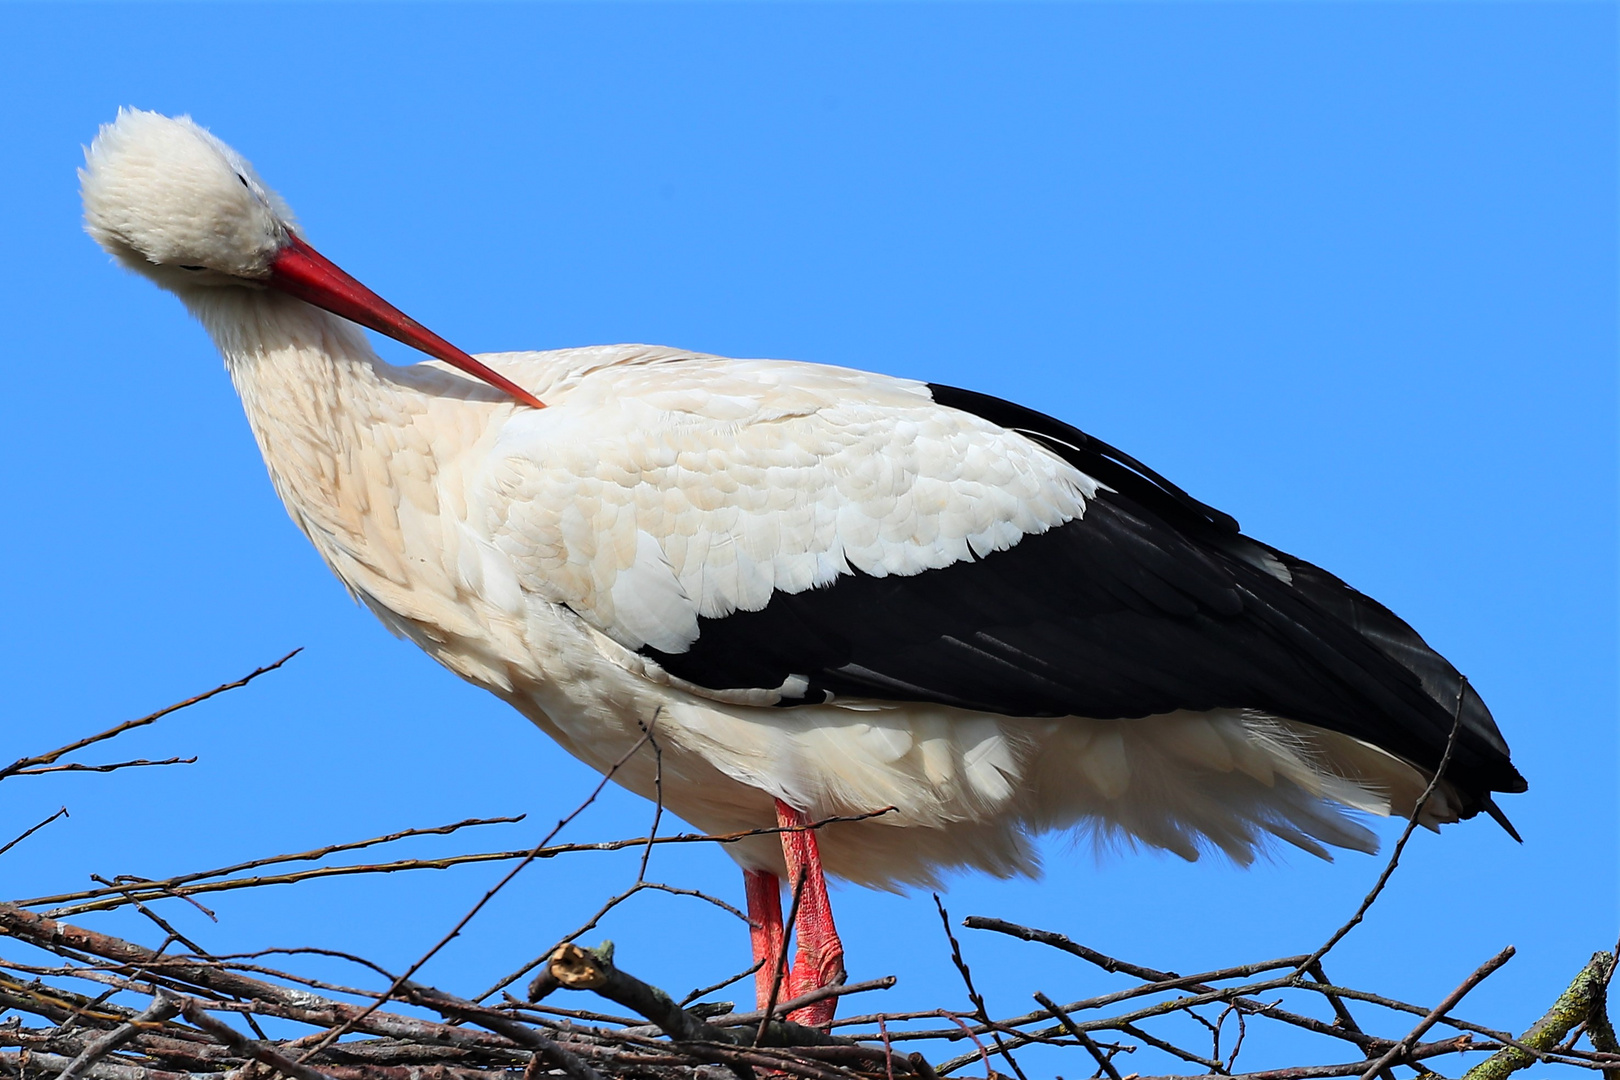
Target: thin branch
{"type": "Point", "coordinates": [161, 1009]}
{"type": "Point", "coordinates": [972, 993]}
{"type": "Point", "coordinates": [1573, 1006]}
{"type": "Point", "coordinates": [260, 1052]}
{"type": "Point", "coordinates": [253, 864]}
{"type": "Point", "coordinates": [1103, 1062]}
{"type": "Point", "coordinates": [13, 843]}
{"type": "Point", "coordinates": [130, 725]}
{"type": "Point", "coordinates": [72, 766]}
{"type": "Point", "coordinates": [1400, 845]}
{"type": "Point", "coordinates": [461, 924]}
{"type": "Point", "coordinates": [705, 991]}
{"type": "Point", "coordinates": [658, 800]}
{"type": "Point", "coordinates": [780, 971]}
{"type": "Point", "coordinates": [1399, 1050]}
{"type": "Point", "coordinates": [503, 1025]}
{"type": "Point", "coordinates": [99, 900]}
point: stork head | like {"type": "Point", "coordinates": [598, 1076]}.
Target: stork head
{"type": "Point", "coordinates": [169, 200]}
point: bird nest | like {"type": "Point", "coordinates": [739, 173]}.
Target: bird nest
{"type": "Point", "coordinates": [83, 1004]}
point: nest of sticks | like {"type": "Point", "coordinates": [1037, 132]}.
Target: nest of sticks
{"type": "Point", "coordinates": [79, 1004]}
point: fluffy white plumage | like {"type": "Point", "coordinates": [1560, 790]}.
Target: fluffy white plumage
{"type": "Point", "coordinates": [534, 551]}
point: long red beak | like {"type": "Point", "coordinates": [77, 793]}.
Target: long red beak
{"type": "Point", "coordinates": [301, 271]}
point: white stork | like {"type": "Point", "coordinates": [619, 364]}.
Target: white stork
{"type": "Point", "coordinates": [831, 591]}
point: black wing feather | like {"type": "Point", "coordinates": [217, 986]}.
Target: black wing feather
{"type": "Point", "coordinates": [1149, 603]}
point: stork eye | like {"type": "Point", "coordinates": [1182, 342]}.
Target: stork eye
{"type": "Point", "coordinates": [193, 269]}
{"type": "Point", "coordinates": [245, 184]}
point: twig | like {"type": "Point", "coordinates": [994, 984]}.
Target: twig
{"type": "Point", "coordinates": [72, 766]}
{"type": "Point", "coordinates": [260, 1052]}
{"type": "Point", "coordinates": [780, 971]}
{"type": "Point", "coordinates": [705, 991]}
{"type": "Point", "coordinates": [461, 924]}
{"type": "Point", "coordinates": [504, 1025]}
{"type": "Point", "coordinates": [575, 968]}
{"type": "Point", "coordinates": [1161, 980]}
{"type": "Point", "coordinates": [658, 799]}
{"type": "Point", "coordinates": [1573, 1006]}
{"type": "Point", "coordinates": [1479, 974]}
{"type": "Point", "coordinates": [972, 993]}
{"type": "Point", "coordinates": [1341, 1010]}
{"type": "Point", "coordinates": [130, 725]}
{"type": "Point", "coordinates": [99, 900]}
{"type": "Point", "coordinates": [13, 843]}
{"type": "Point", "coordinates": [1081, 1037]}
{"type": "Point", "coordinates": [154, 1015]}
{"type": "Point", "coordinates": [253, 864]}
{"type": "Point", "coordinates": [1400, 845]}
{"type": "Point", "coordinates": [809, 997]}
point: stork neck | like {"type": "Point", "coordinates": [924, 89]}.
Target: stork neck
{"type": "Point", "coordinates": [316, 396]}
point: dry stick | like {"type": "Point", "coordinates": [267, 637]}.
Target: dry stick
{"type": "Point", "coordinates": [193, 1011]}
{"type": "Point", "coordinates": [1319, 1072]}
{"type": "Point", "coordinates": [167, 887]}
{"type": "Point", "coordinates": [593, 969]}
{"type": "Point", "coordinates": [155, 1014]}
{"type": "Point", "coordinates": [27, 1061]}
{"type": "Point", "coordinates": [267, 998]}
{"type": "Point", "coordinates": [781, 957]}
{"type": "Point", "coordinates": [809, 997]}
{"type": "Point", "coordinates": [1081, 1037]}
{"type": "Point", "coordinates": [658, 800]}
{"type": "Point", "coordinates": [501, 1024]}
{"type": "Point", "coordinates": [59, 814]}
{"type": "Point", "coordinates": [1183, 1004]}
{"type": "Point", "coordinates": [129, 725]}
{"type": "Point", "coordinates": [1169, 980]}
{"type": "Point", "coordinates": [1168, 1047]}
{"type": "Point", "coordinates": [175, 935]}
{"type": "Point", "coordinates": [253, 864]}
{"type": "Point", "coordinates": [1342, 1011]}
{"type": "Point", "coordinates": [489, 895]}
{"type": "Point", "coordinates": [1479, 974]}
{"type": "Point", "coordinates": [1400, 845]}
{"type": "Point", "coordinates": [705, 991]}
{"type": "Point", "coordinates": [973, 994]}
{"type": "Point", "coordinates": [112, 767]}
{"type": "Point", "coordinates": [300, 950]}
{"type": "Point", "coordinates": [543, 984]}
{"type": "Point", "coordinates": [1416, 1010]}
{"type": "Point", "coordinates": [683, 838]}
{"type": "Point", "coordinates": [1158, 980]}
{"type": "Point", "coordinates": [980, 1053]}
{"type": "Point", "coordinates": [1237, 1044]}
{"type": "Point", "coordinates": [1573, 1006]}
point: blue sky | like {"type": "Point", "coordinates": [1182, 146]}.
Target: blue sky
{"type": "Point", "coordinates": [1345, 271]}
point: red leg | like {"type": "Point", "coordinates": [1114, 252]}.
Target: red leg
{"type": "Point", "coordinates": [764, 892]}
{"type": "Point", "coordinates": [820, 955]}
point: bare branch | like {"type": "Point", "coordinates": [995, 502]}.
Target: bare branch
{"type": "Point", "coordinates": [1399, 1050]}
{"type": "Point", "coordinates": [30, 832]}
{"type": "Point", "coordinates": [111, 767]}
{"type": "Point", "coordinates": [161, 1009]}
{"type": "Point", "coordinates": [130, 725]}
{"type": "Point", "coordinates": [1400, 845]}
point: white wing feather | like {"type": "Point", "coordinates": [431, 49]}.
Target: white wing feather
{"type": "Point", "coordinates": [649, 493]}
